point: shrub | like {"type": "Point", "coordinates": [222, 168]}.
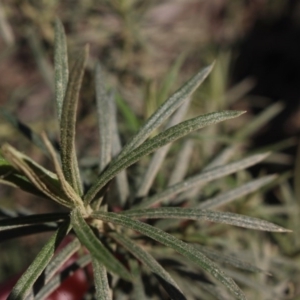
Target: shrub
{"type": "Point", "coordinates": [122, 241]}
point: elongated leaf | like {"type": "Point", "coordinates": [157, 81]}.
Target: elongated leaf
{"type": "Point", "coordinates": [42, 179]}
{"type": "Point", "coordinates": [61, 66]}
{"type": "Point", "coordinates": [202, 178]}
{"type": "Point", "coordinates": [7, 213]}
{"type": "Point", "coordinates": [60, 258]}
{"type": "Point", "coordinates": [29, 277]}
{"type": "Point", "coordinates": [15, 231]}
{"type": "Point", "coordinates": [33, 219]}
{"type": "Point", "coordinates": [40, 286]}
{"type": "Point", "coordinates": [68, 123]}
{"type": "Point", "coordinates": [181, 247]}
{"type": "Point", "coordinates": [65, 186]}
{"type": "Point", "coordinates": [12, 177]}
{"type": "Point", "coordinates": [121, 178]}
{"type": "Point", "coordinates": [14, 213]}
{"type": "Point", "coordinates": [57, 280]}
{"type": "Point", "coordinates": [166, 109]}
{"type": "Point", "coordinates": [6, 162]}
{"type": "Point", "coordinates": [104, 112]}
{"type": "Point", "coordinates": [159, 156]}
{"type": "Point", "coordinates": [182, 163]}
{"type": "Point", "coordinates": [20, 182]}
{"type": "Point", "coordinates": [222, 158]}
{"type": "Point", "coordinates": [236, 193]}
{"type": "Point", "coordinates": [158, 141]}
{"type": "Point", "coordinates": [101, 282]}
{"type": "Point", "coordinates": [96, 248]}
{"type": "Point", "coordinates": [138, 284]}
{"type": "Point", "coordinates": [162, 275]}
{"type": "Point", "coordinates": [202, 214]}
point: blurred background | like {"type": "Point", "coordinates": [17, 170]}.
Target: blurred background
{"type": "Point", "coordinates": [148, 49]}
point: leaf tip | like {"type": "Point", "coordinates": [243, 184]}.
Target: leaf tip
{"type": "Point", "coordinates": [211, 66]}
{"type": "Point", "coordinates": [285, 230]}
{"type": "Point", "coordinates": [241, 112]}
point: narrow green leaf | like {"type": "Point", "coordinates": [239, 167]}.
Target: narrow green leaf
{"type": "Point", "coordinates": [121, 178]}
{"type": "Point", "coordinates": [61, 66]}
{"type": "Point", "coordinates": [68, 123]}
{"type": "Point", "coordinates": [223, 157]}
{"type": "Point", "coordinates": [162, 275]}
{"type": "Point", "coordinates": [25, 283]}
{"type": "Point", "coordinates": [33, 219]}
{"type": "Point", "coordinates": [166, 109]}
{"type": "Point", "coordinates": [65, 186]}
{"type": "Point", "coordinates": [96, 248]}
{"type": "Point", "coordinates": [8, 213]}
{"type": "Point", "coordinates": [15, 231]}
{"type": "Point", "coordinates": [202, 214]}
{"type": "Point", "coordinates": [138, 284]}
{"type": "Point", "coordinates": [181, 247]}
{"type": "Point", "coordinates": [101, 282]}
{"type": "Point", "coordinates": [7, 161]}
{"type": "Point", "coordinates": [158, 141]}
{"type": "Point", "coordinates": [58, 279]}
{"type": "Point", "coordinates": [104, 112]}
{"type": "Point", "coordinates": [60, 258]}
{"type": "Point", "coordinates": [12, 177]}
{"type": "Point", "coordinates": [20, 182]}
{"type": "Point", "coordinates": [41, 286]}
{"type": "Point", "coordinates": [181, 163]}
{"type": "Point", "coordinates": [42, 179]}
{"type": "Point", "coordinates": [204, 177]}
{"type": "Point", "coordinates": [236, 193]}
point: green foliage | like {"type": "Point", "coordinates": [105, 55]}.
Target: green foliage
{"type": "Point", "coordinates": [105, 233]}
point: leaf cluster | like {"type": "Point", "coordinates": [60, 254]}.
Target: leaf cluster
{"type": "Point", "coordinates": [96, 223]}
